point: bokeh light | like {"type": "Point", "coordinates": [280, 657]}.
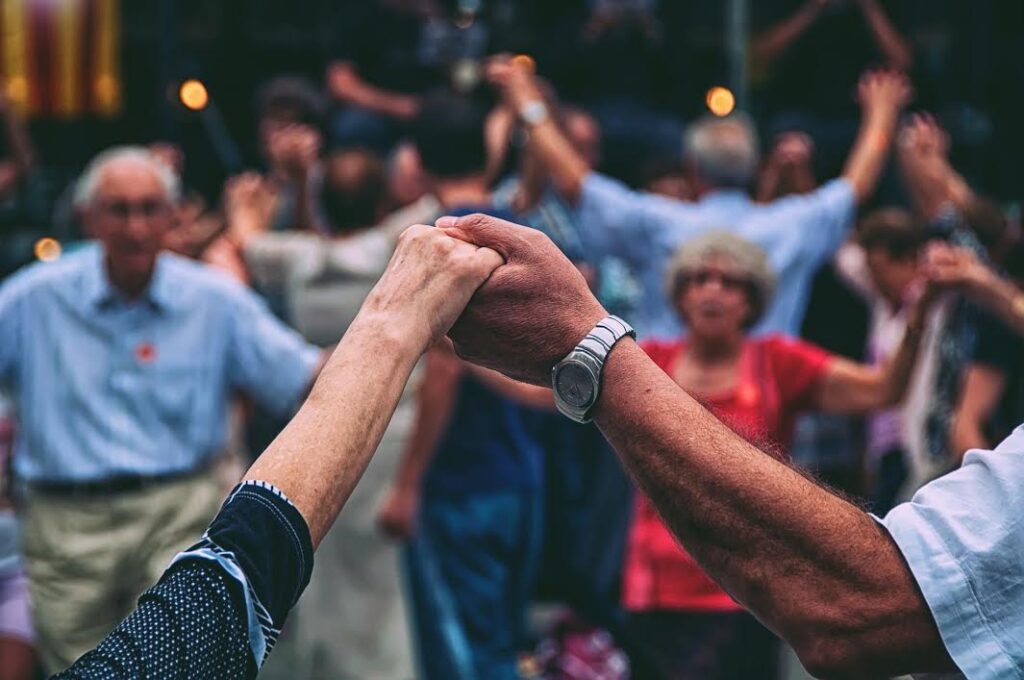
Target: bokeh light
{"type": "Point", "coordinates": [193, 95]}
{"type": "Point", "coordinates": [47, 249]}
{"type": "Point", "coordinates": [524, 61]}
{"type": "Point", "coordinates": [721, 101]}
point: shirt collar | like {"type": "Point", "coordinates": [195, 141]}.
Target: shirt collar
{"type": "Point", "coordinates": [98, 292]}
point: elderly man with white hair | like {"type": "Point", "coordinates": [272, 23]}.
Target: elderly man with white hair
{"type": "Point", "coordinates": [122, 359]}
{"type": "Point", "coordinates": [800, 233]}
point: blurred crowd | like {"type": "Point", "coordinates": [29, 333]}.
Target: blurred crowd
{"type": "Point", "coordinates": [814, 265]}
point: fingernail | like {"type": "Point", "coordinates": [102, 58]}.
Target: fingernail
{"type": "Point", "coordinates": [446, 221]}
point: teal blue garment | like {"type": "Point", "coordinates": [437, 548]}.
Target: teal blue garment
{"type": "Point", "coordinates": [963, 537]}
{"type": "Point", "coordinates": [799, 233]}
{"type": "Point", "coordinates": [106, 387]}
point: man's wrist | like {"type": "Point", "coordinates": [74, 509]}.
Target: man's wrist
{"type": "Point", "coordinates": [615, 375]}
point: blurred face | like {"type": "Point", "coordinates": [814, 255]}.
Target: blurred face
{"type": "Point", "coordinates": [892, 276]}
{"type": "Point", "coordinates": [714, 300]}
{"type": "Point", "coordinates": [130, 214]}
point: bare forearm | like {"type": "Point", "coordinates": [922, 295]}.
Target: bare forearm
{"type": "Point", "coordinates": [566, 167]}
{"type": "Point", "coordinates": [322, 453]}
{"type": "Point", "coordinates": [1004, 299]}
{"type": "Point", "coordinates": [434, 408]}
{"type": "Point", "coordinates": [901, 367]}
{"type": "Point", "coordinates": [870, 150]}
{"type": "Point", "coordinates": [926, 182]}
{"type": "Point", "coordinates": [967, 434]}
{"type": "Point", "coordinates": [889, 41]}
{"type": "Point", "coordinates": [831, 565]}
{"type": "Point", "coordinates": [770, 45]}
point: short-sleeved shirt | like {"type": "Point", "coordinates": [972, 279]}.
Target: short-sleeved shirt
{"type": "Point", "coordinates": [106, 387]}
{"type": "Point", "coordinates": [777, 379]}
{"type": "Point", "coordinates": [962, 536]}
{"type": "Point", "coordinates": [798, 233]}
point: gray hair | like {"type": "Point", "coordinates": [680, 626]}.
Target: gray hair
{"type": "Point", "coordinates": [724, 151]}
{"type": "Point", "coordinates": [85, 189]}
{"type": "Point", "coordinates": [748, 258]}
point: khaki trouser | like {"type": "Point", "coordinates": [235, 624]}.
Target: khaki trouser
{"type": "Point", "coordinates": [89, 559]}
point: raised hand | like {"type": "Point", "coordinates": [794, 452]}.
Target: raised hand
{"type": "Point", "coordinates": [884, 92]}
{"type": "Point", "coordinates": [429, 281]}
{"type": "Point", "coordinates": [531, 312]}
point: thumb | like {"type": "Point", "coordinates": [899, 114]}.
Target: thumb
{"type": "Point", "coordinates": [503, 237]}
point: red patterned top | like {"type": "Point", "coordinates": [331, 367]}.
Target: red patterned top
{"type": "Point", "coordinates": [776, 382]}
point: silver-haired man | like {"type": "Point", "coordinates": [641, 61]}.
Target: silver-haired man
{"type": "Point", "coordinates": [121, 360]}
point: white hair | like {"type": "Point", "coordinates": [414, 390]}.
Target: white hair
{"type": "Point", "coordinates": [724, 150]}
{"type": "Point", "coordinates": [88, 182]}
{"type": "Point", "coordinates": [749, 259]}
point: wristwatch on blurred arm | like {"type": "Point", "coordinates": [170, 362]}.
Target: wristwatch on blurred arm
{"type": "Point", "coordinates": [533, 113]}
{"type": "Point", "coordinates": [576, 379]}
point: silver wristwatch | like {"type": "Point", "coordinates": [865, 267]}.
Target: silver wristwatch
{"type": "Point", "coordinates": [576, 379]}
{"type": "Point", "coordinates": [533, 113]}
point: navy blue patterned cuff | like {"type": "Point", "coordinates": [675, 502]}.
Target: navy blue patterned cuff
{"type": "Point", "coordinates": [261, 540]}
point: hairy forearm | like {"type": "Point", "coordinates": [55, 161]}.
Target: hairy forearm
{"type": "Point", "coordinates": [833, 584]}
{"type": "Point", "coordinates": [322, 453]}
{"type": "Point", "coordinates": [870, 150]}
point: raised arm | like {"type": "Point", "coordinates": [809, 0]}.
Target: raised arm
{"type": "Point", "coordinates": [341, 427]}
{"type": "Point", "coordinates": [836, 586]}
{"type": "Point", "coordinates": [519, 87]}
{"type": "Point", "coordinates": [772, 43]}
{"type": "Point", "coordinates": [890, 42]}
{"type": "Point", "coordinates": [220, 605]}
{"type": "Point", "coordinates": [923, 155]}
{"type": "Point", "coordinates": [882, 95]}
{"type": "Point", "coordinates": [851, 387]}
{"type": "Point", "coordinates": [345, 84]}
{"type": "Point", "coordinates": [960, 269]}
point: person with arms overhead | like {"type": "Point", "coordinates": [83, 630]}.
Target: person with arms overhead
{"type": "Point", "coordinates": [799, 233]}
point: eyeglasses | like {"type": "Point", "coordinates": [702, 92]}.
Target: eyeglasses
{"type": "Point", "coordinates": [702, 277]}
{"type": "Point", "coordinates": [123, 210]}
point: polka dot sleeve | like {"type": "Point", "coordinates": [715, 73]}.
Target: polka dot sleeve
{"type": "Point", "coordinates": [219, 607]}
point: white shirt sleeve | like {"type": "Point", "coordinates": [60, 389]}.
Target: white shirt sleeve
{"type": "Point", "coordinates": [963, 538]}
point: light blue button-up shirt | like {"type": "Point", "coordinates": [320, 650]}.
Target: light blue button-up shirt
{"type": "Point", "coordinates": [799, 233]}
{"type": "Point", "coordinates": [963, 538]}
{"type": "Point", "coordinates": [105, 387]}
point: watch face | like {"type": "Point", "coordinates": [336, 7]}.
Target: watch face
{"type": "Point", "coordinates": [575, 385]}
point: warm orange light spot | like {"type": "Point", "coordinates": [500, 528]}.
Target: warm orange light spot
{"type": "Point", "coordinates": [721, 101]}
{"type": "Point", "coordinates": [193, 95]}
{"type": "Point", "coordinates": [47, 249]}
{"type": "Point", "coordinates": [524, 61]}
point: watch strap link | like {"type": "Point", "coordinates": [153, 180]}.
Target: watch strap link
{"type": "Point", "coordinates": [600, 340]}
